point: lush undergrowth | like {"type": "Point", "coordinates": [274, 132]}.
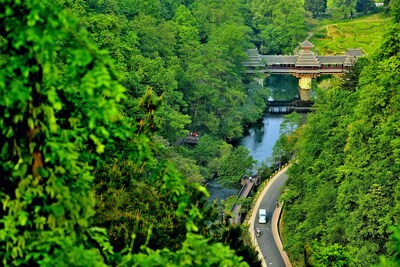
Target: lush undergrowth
{"type": "Point", "coordinates": [336, 36]}
{"type": "Point", "coordinates": [93, 94]}
{"type": "Point", "coordinates": [342, 196]}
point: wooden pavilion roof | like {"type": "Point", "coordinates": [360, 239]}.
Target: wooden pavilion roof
{"type": "Point", "coordinates": [305, 58]}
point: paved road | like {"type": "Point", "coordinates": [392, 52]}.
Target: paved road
{"type": "Point", "coordinates": [266, 240]}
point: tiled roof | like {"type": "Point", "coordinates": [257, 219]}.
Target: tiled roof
{"type": "Point", "coordinates": [331, 59]}
{"type": "Point", "coordinates": [355, 52]}
{"type": "Point", "coordinates": [307, 59]}
{"type": "Point", "coordinates": [279, 59]}
{"type": "Point", "coordinates": [306, 43]}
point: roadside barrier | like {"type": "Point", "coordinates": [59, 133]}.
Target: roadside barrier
{"type": "Point", "coordinates": [276, 219]}
{"type": "Point", "coordinates": [237, 197]}
{"type": "Point", "coordinates": [258, 192]}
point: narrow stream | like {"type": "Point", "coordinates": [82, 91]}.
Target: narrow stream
{"type": "Point", "coordinates": [261, 137]}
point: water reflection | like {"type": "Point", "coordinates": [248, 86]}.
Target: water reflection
{"type": "Point", "coordinates": [261, 138]}
{"type": "Point", "coordinates": [282, 87]}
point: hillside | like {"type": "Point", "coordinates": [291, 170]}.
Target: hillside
{"type": "Point", "coordinates": [342, 197]}
{"type": "Point", "coordinates": [336, 36]}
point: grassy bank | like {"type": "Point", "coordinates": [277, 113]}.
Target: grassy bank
{"type": "Point", "coordinates": [336, 36]}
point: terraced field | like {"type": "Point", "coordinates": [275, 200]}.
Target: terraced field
{"type": "Point", "coordinates": [335, 37]}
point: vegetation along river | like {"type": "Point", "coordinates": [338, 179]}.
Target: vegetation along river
{"type": "Point", "coordinates": [262, 136]}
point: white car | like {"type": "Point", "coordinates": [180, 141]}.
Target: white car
{"type": "Point", "coordinates": [262, 216]}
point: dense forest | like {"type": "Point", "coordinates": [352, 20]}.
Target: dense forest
{"type": "Point", "coordinates": [95, 94]}
{"type": "Point", "coordinates": [342, 197]}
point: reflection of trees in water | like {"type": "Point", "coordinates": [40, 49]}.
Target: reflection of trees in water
{"type": "Point", "coordinates": [259, 133]}
{"type": "Point", "coordinates": [282, 87]}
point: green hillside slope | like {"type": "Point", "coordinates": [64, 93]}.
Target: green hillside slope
{"type": "Point", "coordinates": [336, 36]}
{"type": "Point", "coordinates": [343, 192]}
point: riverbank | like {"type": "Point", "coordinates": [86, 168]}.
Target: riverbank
{"type": "Point", "coordinates": [262, 136]}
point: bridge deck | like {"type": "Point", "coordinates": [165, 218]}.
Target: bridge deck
{"type": "Point", "coordinates": [296, 71]}
{"type": "Point", "coordinates": [305, 62]}
{"type": "Point", "coordinates": [244, 193]}
{"type": "Point", "coordinates": [288, 109]}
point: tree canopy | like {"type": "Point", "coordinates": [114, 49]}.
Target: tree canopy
{"type": "Point", "coordinates": [79, 131]}
{"type": "Point", "coordinates": [342, 196]}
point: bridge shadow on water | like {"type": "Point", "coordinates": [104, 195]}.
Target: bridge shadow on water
{"type": "Point", "coordinates": [282, 87]}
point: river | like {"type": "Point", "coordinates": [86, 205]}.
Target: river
{"type": "Point", "coordinates": [261, 138]}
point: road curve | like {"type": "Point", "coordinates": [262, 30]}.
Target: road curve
{"type": "Point", "coordinates": [265, 244]}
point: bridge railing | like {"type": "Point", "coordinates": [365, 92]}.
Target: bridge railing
{"type": "Point", "coordinates": [260, 189]}
{"type": "Point", "coordinates": [238, 196]}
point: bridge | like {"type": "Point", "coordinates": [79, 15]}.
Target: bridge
{"type": "Point", "coordinates": [288, 106]}
{"type": "Point", "coordinates": [288, 109]}
{"type": "Point", "coordinates": [248, 186]}
{"type": "Point", "coordinates": [305, 65]}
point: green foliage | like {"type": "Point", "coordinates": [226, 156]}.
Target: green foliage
{"type": "Point", "coordinates": [234, 166]}
{"type": "Point", "coordinates": [311, 196]}
{"type": "Point", "coordinates": [195, 251]}
{"type": "Point", "coordinates": [237, 237]}
{"type": "Point", "coordinates": [73, 141]}
{"type": "Point", "coordinates": [285, 145]}
{"type": "Point", "coordinates": [316, 7]}
{"type": "Point", "coordinates": [342, 8]}
{"type": "Point", "coordinates": [255, 104]}
{"type": "Point", "coordinates": [365, 6]}
{"type": "Point", "coordinates": [281, 24]}
{"type": "Point", "coordinates": [332, 256]}
{"type": "Point", "coordinates": [333, 36]}
{"type": "Point", "coordinates": [217, 91]}
{"type": "Point", "coordinates": [343, 191]}
{"type": "Point", "coordinates": [395, 260]}
{"type": "Point", "coordinates": [290, 123]}
{"type": "Point", "coordinates": [349, 81]}
{"type": "Point", "coordinates": [56, 120]}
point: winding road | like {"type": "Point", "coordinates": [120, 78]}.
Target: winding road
{"type": "Point", "coordinates": [265, 244]}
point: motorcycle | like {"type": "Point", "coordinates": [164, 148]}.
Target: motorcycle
{"type": "Point", "coordinates": [258, 232]}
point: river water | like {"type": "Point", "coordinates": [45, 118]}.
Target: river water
{"type": "Point", "coordinates": [261, 138]}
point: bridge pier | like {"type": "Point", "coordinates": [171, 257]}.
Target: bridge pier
{"type": "Point", "coordinates": [305, 88]}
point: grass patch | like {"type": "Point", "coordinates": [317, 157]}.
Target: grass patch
{"type": "Point", "coordinates": [333, 37]}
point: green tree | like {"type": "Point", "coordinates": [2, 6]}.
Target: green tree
{"type": "Point", "coordinates": [343, 188]}
{"type": "Point", "coordinates": [365, 6]}
{"type": "Point", "coordinates": [395, 260]}
{"type": "Point", "coordinates": [332, 256]}
{"type": "Point", "coordinates": [56, 119]}
{"type": "Point", "coordinates": [285, 145]}
{"type": "Point", "coordinates": [281, 24]}
{"type": "Point", "coordinates": [195, 251]}
{"type": "Point", "coordinates": [342, 8]}
{"type": "Point", "coordinates": [255, 102]}
{"type": "Point", "coordinates": [316, 7]}
{"type": "Point", "coordinates": [62, 125]}
{"type": "Point", "coordinates": [290, 123]}
{"type": "Point", "coordinates": [234, 166]}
